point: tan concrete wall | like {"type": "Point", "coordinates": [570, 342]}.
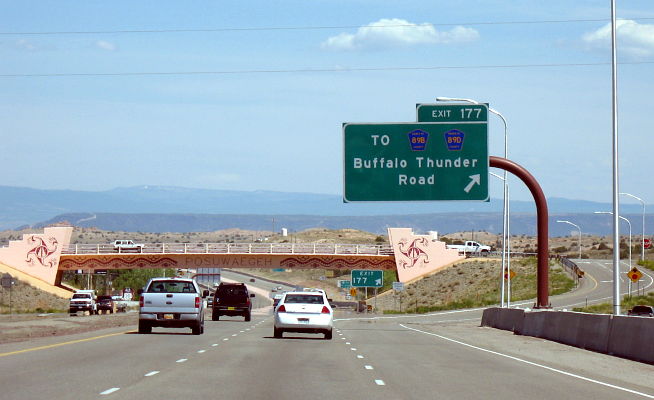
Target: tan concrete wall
{"type": "Point", "coordinates": [419, 255]}
{"type": "Point", "coordinates": [37, 255]}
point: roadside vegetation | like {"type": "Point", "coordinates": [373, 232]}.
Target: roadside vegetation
{"type": "Point", "coordinates": [115, 280]}
{"type": "Point", "coordinates": [472, 284]}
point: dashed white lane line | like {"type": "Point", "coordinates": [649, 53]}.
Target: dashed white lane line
{"type": "Point", "coordinates": [242, 331]}
{"type": "Point", "coordinates": [583, 378]}
{"type": "Point", "coordinates": [359, 356]}
{"type": "Point", "coordinates": [214, 345]}
{"type": "Point", "coordinates": [379, 382]}
{"type": "Point", "coordinates": [152, 373]}
{"type": "Point", "coordinates": [109, 391]}
{"type": "Point", "coordinates": [353, 348]}
{"type": "Point", "coordinates": [225, 339]}
{"type": "Point", "coordinates": [201, 351]}
{"type": "Point", "coordinates": [347, 342]}
{"type": "Point", "coordinates": [236, 334]}
{"type": "Point", "coordinates": [368, 367]}
{"type": "Point", "coordinates": [181, 360]}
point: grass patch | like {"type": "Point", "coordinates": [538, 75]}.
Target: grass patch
{"type": "Point", "coordinates": [649, 264]}
{"type": "Point", "coordinates": [487, 292]}
{"type": "Point", "coordinates": [626, 304]}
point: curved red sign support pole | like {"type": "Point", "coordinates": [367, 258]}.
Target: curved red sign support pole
{"type": "Point", "coordinates": [542, 278]}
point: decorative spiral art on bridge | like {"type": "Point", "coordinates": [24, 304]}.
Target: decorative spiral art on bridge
{"type": "Point", "coordinates": [335, 263]}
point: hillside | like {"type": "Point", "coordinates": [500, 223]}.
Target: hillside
{"type": "Point", "coordinates": [521, 224]}
{"type": "Point", "coordinates": [177, 209]}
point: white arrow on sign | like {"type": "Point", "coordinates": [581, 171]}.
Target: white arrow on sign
{"type": "Point", "coordinates": [378, 282]}
{"type": "Point", "coordinates": [475, 179]}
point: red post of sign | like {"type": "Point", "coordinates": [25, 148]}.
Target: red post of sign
{"type": "Point", "coordinates": [542, 274]}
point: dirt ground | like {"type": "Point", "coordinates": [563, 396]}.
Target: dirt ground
{"type": "Point", "coordinates": [22, 327]}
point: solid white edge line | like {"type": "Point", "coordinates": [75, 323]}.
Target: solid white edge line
{"type": "Point", "coordinates": [109, 391]}
{"type": "Point", "coordinates": [380, 382]}
{"type": "Point", "coordinates": [152, 373]}
{"type": "Point", "coordinates": [413, 315]}
{"type": "Point", "coordinates": [583, 378]}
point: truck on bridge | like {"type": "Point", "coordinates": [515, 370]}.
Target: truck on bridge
{"type": "Point", "coordinates": [470, 246]}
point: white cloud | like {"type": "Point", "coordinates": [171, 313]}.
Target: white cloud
{"type": "Point", "coordinates": [101, 44]}
{"type": "Point", "coordinates": [26, 45]}
{"type": "Point", "coordinates": [397, 32]}
{"type": "Point", "coordinates": [634, 39]}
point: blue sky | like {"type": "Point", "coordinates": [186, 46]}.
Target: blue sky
{"type": "Point", "coordinates": [268, 115]}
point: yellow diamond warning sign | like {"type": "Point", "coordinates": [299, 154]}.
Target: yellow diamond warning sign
{"type": "Point", "coordinates": [634, 274]}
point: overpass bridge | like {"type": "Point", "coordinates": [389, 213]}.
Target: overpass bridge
{"type": "Point", "coordinates": [45, 256]}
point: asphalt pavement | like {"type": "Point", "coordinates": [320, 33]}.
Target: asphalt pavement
{"type": "Point", "coordinates": [443, 355]}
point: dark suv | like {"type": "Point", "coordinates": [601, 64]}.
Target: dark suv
{"type": "Point", "coordinates": [642, 311]}
{"type": "Point", "coordinates": [231, 299]}
{"type": "Point", "coordinates": [105, 303]}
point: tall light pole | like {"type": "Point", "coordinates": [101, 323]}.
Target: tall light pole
{"type": "Point", "coordinates": [506, 237]}
{"type": "Point", "coordinates": [506, 253]}
{"type": "Point", "coordinates": [629, 223]}
{"type": "Point", "coordinates": [615, 169]}
{"type": "Point", "coordinates": [576, 226]}
{"type": "Point", "coordinates": [642, 240]}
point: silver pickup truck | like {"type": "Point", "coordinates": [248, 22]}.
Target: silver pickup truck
{"type": "Point", "coordinates": [171, 303]}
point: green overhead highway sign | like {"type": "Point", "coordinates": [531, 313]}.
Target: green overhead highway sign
{"type": "Point", "coordinates": [452, 112]}
{"type": "Point", "coordinates": [367, 278]}
{"type": "Point", "coordinates": [416, 161]}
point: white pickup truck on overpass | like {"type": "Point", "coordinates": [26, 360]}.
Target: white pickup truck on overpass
{"type": "Point", "coordinates": [470, 247]}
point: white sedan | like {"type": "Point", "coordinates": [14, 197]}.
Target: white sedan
{"type": "Point", "coordinates": [305, 312]}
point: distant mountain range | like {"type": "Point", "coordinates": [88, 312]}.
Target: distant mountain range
{"type": "Point", "coordinates": [177, 209]}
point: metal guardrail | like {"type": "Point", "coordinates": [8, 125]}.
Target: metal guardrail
{"type": "Point", "coordinates": [232, 248]}
{"type": "Point", "coordinates": [572, 268]}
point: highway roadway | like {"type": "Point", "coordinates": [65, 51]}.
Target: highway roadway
{"type": "Point", "coordinates": [443, 355]}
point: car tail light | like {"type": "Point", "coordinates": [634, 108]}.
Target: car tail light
{"type": "Point", "coordinates": [141, 301]}
{"type": "Point", "coordinates": [325, 310]}
{"type": "Point", "coordinates": [197, 302]}
{"type": "Point", "coordinates": [281, 308]}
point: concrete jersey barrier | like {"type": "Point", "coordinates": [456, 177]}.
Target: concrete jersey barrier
{"type": "Point", "coordinates": [627, 337]}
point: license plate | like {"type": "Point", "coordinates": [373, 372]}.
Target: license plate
{"type": "Point", "coordinates": [303, 320]}
{"type": "Point", "coordinates": [169, 316]}
{"type": "Point", "coordinates": [231, 308]}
